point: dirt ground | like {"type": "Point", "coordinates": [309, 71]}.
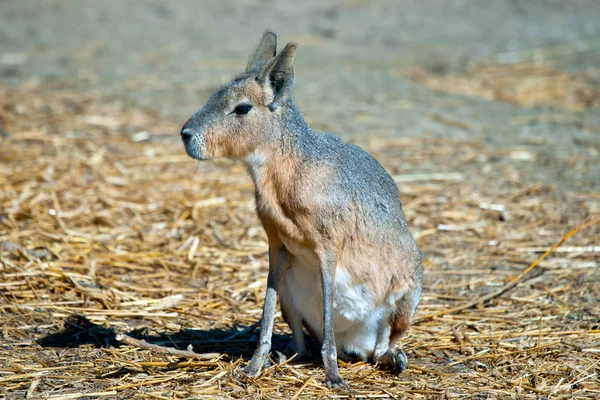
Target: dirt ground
{"type": "Point", "coordinates": [487, 114]}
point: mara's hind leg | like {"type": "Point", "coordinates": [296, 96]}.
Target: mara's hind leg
{"type": "Point", "coordinates": [386, 356]}
{"type": "Point", "coordinates": [293, 318]}
{"type": "Point", "coordinates": [392, 329]}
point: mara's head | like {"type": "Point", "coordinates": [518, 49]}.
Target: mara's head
{"type": "Point", "coordinates": [242, 115]}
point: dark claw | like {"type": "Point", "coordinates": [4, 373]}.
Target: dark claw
{"type": "Point", "coordinates": [399, 361]}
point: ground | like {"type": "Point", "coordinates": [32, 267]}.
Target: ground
{"type": "Point", "coordinates": [485, 113]}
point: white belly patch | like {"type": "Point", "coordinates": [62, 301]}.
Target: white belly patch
{"type": "Point", "coordinates": [355, 318]}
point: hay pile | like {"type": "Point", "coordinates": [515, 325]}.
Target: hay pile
{"type": "Point", "coordinates": [106, 226]}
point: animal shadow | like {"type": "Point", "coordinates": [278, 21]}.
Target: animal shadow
{"type": "Point", "coordinates": [232, 343]}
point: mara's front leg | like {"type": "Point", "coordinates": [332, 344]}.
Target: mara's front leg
{"type": "Point", "coordinates": [328, 262]}
{"type": "Point", "coordinates": [277, 264]}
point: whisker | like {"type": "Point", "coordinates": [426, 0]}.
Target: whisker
{"type": "Point", "coordinates": [212, 66]}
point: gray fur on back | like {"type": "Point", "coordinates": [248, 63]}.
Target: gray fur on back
{"type": "Point", "coordinates": [362, 181]}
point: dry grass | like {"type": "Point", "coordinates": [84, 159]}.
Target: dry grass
{"type": "Point", "coordinates": [104, 229]}
{"type": "Point", "coordinates": [527, 85]}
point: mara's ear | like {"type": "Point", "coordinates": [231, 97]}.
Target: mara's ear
{"type": "Point", "coordinates": [279, 73]}
{"type": "Point", "coordinates": [265, 50]}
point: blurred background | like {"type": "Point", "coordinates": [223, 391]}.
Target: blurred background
{"type": "Point", "coordinates": [502, 73]}
{"type": "Point", "coordinates": [485, 112]}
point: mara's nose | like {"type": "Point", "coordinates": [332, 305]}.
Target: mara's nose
{"type": "Point", "coordinates": [186, 134]}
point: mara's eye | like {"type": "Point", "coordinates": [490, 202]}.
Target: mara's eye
{"type": "Point", "coordinates": [242, 109]}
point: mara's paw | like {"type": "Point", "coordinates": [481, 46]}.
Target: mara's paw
{"type": "Point", "coordinates": [334, 381]}
{"type": "Point", "coordinates": [394, 360]}
{"type": "Point", "coordinates": [399, 361]}
{"type": "Point", "coordinates": [251, 370]}
{"type": "Point", "coordinates": [243, 375]}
